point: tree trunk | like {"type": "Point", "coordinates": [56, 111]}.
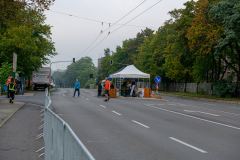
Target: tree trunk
{"type": "Point", "coordinates": [29, 79]}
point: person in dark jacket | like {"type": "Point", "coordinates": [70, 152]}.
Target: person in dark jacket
{"type": "Point", "coordinates": [111, 85]}
{"type": "Point", "coordinates": [12, 90]}
{"type": "Point", "coordinates": [99, 88]}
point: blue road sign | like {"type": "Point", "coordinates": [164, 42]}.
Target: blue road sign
{"type": "Point", "coordinates": [157, 79]}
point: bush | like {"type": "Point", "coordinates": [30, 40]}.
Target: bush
{"type": "Point", "coordinates": [200, 91]}
{"type": "Point", "coordinates": [226, 88]}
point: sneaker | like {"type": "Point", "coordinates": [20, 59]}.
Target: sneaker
{"type": "Point", "coordinates": [12, 101]}
{"type": "Point", "coordinates": [105, 100]}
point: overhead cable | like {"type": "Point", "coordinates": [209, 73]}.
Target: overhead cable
{"type": "Point", "coordinates": [124, 25]}
{"type": "Point", "coordinates": [110, 27]}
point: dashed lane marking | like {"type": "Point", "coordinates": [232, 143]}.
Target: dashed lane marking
{"type": "Point", "coordinates": [117, 113]}
{"type": "Point", "coordinates": [103, 106]}
{"type": "Point", "coordinates": [140, 124]}
{"type": "Point", "coordinates": [186, 144]}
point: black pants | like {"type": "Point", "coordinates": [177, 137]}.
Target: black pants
{"type": "Point", "coordinates": [99, 92]}
{"type": "Point", "coordinates": [12, 94]}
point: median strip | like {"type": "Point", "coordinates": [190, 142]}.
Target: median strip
{"type": "Point", "coordinates": [197, 118]}
{"type": "Point", "coordinates": [202, 112]}
{"type": "Point", "coordinates": [191, 146]}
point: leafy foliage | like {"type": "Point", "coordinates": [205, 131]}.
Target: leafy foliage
{"type": "Point", "coordinates": [79, 70]}
{"type": "Point", "coordinates": [23, 32]}
{"type": "Point", "coordinates": [226, 88]}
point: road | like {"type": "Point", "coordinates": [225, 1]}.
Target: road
{"type": "Point", "coordinates": [180, 129]}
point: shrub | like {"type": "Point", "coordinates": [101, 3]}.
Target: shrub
{"type": "Point", "coordinates": [226, 88]}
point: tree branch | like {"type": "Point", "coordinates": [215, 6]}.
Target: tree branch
{"type": "Point", "coordinates": [230, 65]}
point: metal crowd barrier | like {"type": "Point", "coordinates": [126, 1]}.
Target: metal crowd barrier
{"type": "Point", "coordinates": [61, 143]}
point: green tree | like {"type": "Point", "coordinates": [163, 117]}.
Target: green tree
{"type": "Point", "coordinates": [80, 70]}
{"type": "Point", "coordinates": [227, 14]}
{"type": "Point", "coordinates": [23, 32]}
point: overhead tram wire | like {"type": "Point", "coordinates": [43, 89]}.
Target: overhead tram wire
{"type": "Point", "coordinates": [124, 25]}
{"type": "Point", "coordinates": [71, 15]}
{"type": "Point", "coordinates": [110, 27]}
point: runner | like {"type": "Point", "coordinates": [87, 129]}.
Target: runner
{"type": "Point", "coordinates": [107, 87]}
{"type": "Point", "coordinates": [77, 88]}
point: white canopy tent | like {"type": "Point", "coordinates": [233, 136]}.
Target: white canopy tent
{"type": "Point", "coordinates": [131, 72]}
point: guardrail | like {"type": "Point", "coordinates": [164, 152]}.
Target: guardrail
{"type": "Point", "coordinates": [61, 143]}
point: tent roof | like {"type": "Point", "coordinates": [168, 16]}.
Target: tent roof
{"type": "Point", "coordinates": [130, 72]}
{"type": "Point", "coordinates": [110, 76]}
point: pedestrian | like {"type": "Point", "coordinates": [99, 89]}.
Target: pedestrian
{"type": "Point", "coordinates": [8, 81]}
{"type": "Point", "coordinates": [111, 85]}
{"type": "Point", "coordinates": [19, 85]}
{"type": "Point", "coordinates": [12, 90]}
{"type": "Point", "coordinates": [132, 88]}
{"type": "Point", "coordinates": [99, 88]}
{"type": "Point", "coordinates": [77, 88]}
{"type": "Point", "coordinates": [107, 87]}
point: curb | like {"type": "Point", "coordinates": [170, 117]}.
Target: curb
{"type": "Point", "coordinates": [149, 99]}
{"type": "Point", "coordinates": [201, 99]}
{"type": "Point", "coordinates": [10, 116]}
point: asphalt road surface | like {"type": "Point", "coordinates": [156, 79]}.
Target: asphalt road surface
{"type": "Point", "coordinates": [180, 129]}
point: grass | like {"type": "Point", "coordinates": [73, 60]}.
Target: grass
{"type": "Point", "coordinates": [200, 96]}
{"type": "Point", "coordinates": [53, 90]}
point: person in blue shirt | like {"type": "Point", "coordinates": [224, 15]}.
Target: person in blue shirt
{"type": "Point", "coordinates": [77, 88]}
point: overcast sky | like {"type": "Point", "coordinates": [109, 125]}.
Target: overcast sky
{"type": "Point", "coordinates": [73, 35]}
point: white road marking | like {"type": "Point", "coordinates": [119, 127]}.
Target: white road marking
{"type": "Point", "coordinates": [197, 118]}
{"type": "Point", "coordinates": [234, 107]}
{"type": "Point", "coordinates": [87, 99]}
{"type": "Point", "coordinates": [140, 124]}
{"type": "Point", "coordinates": [202, 112]}
{"type": "Point", "coordinates": [97, 141]}
{"type": "Point", "coordinates": [82, 97]}
{"type": "Point", "coordinates": [210, 104]}
{"type": "Point", "coordinates": [214, 110]}
{"type": "Point", "coordinates": [116, 113]}
{"type": "Point", "coordinates": [37, 105]}
{"type": "Point", "coordinates": [149, 104]}
{"type": "Point", "coordinates": [193, 147]}
{"type": "Point", "coordinates": [172, 104]}
{"type": "Point", "coordinates": [103, 106]}
{"type": "Point", "coordinates": [161, 104]}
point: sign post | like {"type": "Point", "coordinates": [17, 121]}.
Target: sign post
{"type": "Point", "coordinates": [14, 66]}
{"type": "Point", "coordinates": [157, 80]}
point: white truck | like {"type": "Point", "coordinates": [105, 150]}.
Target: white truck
{"type": "Point", "coordinates": [41, 78]}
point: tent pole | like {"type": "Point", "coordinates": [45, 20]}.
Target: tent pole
{"type": "Point", "coordinates": [120, 87]}
{"type": "Point", "coordinates": [149, 82]}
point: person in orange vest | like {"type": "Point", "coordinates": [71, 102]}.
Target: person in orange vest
{"type": "Point", "coordinates": [8, 81]}
{"type": "Point", "coordinates": [107, 88]}
{"type": "Point", "coordinates": [12, 90]}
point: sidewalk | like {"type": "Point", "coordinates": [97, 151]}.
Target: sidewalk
{"type": "Point", "coordinates": [20, 126]}
{"type": "Point", "coordinates": [199, 98]}
{"type": "Point", "coordinates": [8, 109]}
